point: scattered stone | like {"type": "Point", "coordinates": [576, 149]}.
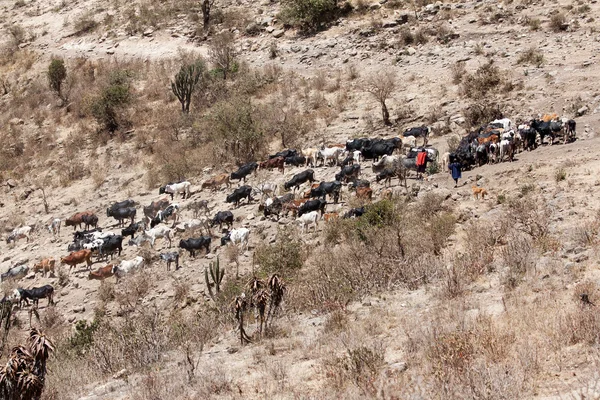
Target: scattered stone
{"type": "Point", "coordinates": [110, 51]}
{"type": "Point", "coordinates": [399, 366]}
{"type": "Point", "coordinates": [389, 24]}
{"type": "Point", "coordinates": [410, 50]}
{"type": "Point", "coordinates": [78, 309]}
{"type": "Point", "coordinates": [148, 32]}
{"type": "Point", "coordinates": [270, 29]}
{"type": "Point", "coordinates": [583, 110]}
{"type": "Point", "coordinates": [122, 373]}
{"type": "Point", "coordinates": [11, 183]}
{"type": "Point", "coordinates": [278, 33]}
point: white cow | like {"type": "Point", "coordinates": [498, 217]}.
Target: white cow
{"type": "Point", "coordinates": [54, 227]}
{"type": "Point", "coordinates": [331, 154]}
{"type": "Point", "coordinates": [194, 224]}
{"type": "Point", "coordinates": [127, 266]}
{"type": "Point", "coordinates": [445, 162]}
{"type": "Point", "coordinates": [409, 142]}
{"type": "Point", "coordinates": [265, 189]}
{"type": "Point", "coordinates": [505, 122]}
{"type": "Point", "coordinates": [19, 233]}
{"type": "Point", "coordinates": [311, 156]}
{"type": "Point", "coordinates": [307, 219]}
{"type": "Point", "coordinates": [181, 187]}
{"type": "Point", "coordinates": [356, 156]}
{"type": "Point", "coordinates": [237, 236]}
{"type": "Point", "coordinates": [385, 162]}
{"type": "Point", "coordinates": [156, 233]}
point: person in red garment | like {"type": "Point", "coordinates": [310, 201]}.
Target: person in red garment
{"type": "Point", "coordinates": [421, 163]}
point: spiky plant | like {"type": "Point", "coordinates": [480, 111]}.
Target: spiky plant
{"type": "Point", "coordinates": [23, 376]}
{"type": "Point", "coordinates": [216, 274]}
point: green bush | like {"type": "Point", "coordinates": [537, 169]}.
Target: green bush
{"type": "Point", "coordinates": [57, 73]}
{"type": "Point", "coordinates": [309, 15]}
{"type": "Point", "coordinates": [83, 337]}
{"type": "Point", "coordinates": [284, 257]}
{"type": "Point", "coordinates": [107, 107]}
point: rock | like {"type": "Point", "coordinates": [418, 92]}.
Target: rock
{"type": "Point", "coordinates": [278, 33]}
{"type": "Point", "coordinates": [295, 48]}
{"type": "Point", "coordinates": [210, 256]}
{"type": "Point", "coordinates": [148, 32]}
{"type": "Point", "coordinates": [16, 121]}
{"type": "Point", "coordinates": [26, 193]}
{"type": "Point", "coordinates": [122, 373]}
{"type": "Point", "coordinates": [23, 45]}
{"type": "Point", "coordinates": [399, 366]}
{"type": "Point", "coordinates": [110, 51]}
{"type": "Point", "coordinates": [78, 309]}
{"type": "Point", "coordinates": [11, 183]}
{"type": "Point", "coordinates": [270, 29]}
{"type": "Point", "coordinates": [266, 21]}
{"type": "Point", "coordinates": [250, 217]}
{"type": "Point", "coordinates": [410, 50]}
{"type": "Point", "coordinates": [72, 319]}
{"type": "Point", "coordinates": [582, 111]}
{"type": "Point", "coordinates": [64, 292]}
{"type": "Point", "coordinates": [389, 23]}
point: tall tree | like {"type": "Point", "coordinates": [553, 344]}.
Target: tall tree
{"type": "Point", "coordinates": [381, 85]}
{"type": "Point", "coordinates": [185, 83]}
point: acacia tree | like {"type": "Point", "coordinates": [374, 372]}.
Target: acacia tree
{"type": "Point", "coordinates": [381, 85]}
{"type": "Point", "coordinates": [222, 52]}
{"type": "Point", "coordinates": [57, 73]}
{"type": "Point", "coordinates": [185, 83]}
{"type": "Point", "coordinates": [206, 6]}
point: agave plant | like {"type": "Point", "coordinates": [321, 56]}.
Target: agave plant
{"type": "Point", "coordinates": [23, 376]}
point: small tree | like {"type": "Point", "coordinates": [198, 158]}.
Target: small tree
{"type": "Point", "coordinates": [309, 15]}
{"type": "Point", "coordinates": [222, 53]}
{"type": "Point", "coordinates": [57, 73]}
{"type": "Point", "coordinates": [185, 83]}
{"type": "Point", "coordinates": [206, 6]}
{"type": "Point", "coordinates": [381, 86]}
{"type": "Point", "coordinates": [114, 97]}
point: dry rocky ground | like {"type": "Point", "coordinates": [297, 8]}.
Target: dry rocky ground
{"type": "Point", "coordinates": [529, 340]}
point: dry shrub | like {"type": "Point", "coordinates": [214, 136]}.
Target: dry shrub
{"type": "Point", "coordinates": [131, 290]}
{"type": "Point", "coordinates": [106, 291]}
{"type": "Point", "coordinates": [531, 56]}
{"type": "Point", "coordinates": [586, 233]}
{"type": "Point", "coordinates": [532, 216]}
{"type": "Point", "coordinates": [487, 79]}
{"type": "Point", "coordinates": [285, 257]}
{"type": "Point", "coordinates": [478, 114]}
{"type": "Point", "coordinates": [558, 22]}
{"type": "Point", "coordinates": [458, 70]}
{"type": "Point", "coordinates": [181, 289]}
{"type": "Point", "coordinates": [85, 23]}
{"type": "Point", "coordinates": [337, 321]}
{"type": "Point", "coordinates": [580, 325]}
{"type": "Point", "coordinates": [519, 259]}
{"type": "Point", "coordinates": [360, 366]}
{"type": "Point", "coordinates": [214, 382]}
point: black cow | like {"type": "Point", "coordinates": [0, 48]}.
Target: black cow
{"type": "Point", "coordinates": [285, 154]}
{"type": "Point", "coordinates": [378, 149]}
{"type": "Point", "coordinates": [132, 229]}
{"type": "Point", "coordinates": [550, 128]}
{"type": "Point", "coordinates": [312, 205]}
{"type": "Point", "coordinates": [358, 183]}
{"type": "Point", "coordinates": [120, 204]}
{"type": "Point", "coordinates": [170, 258]}
{"type": "Point", "coordinates": [120, 214]}
{"type": "Point", "coordinates": [35, 294]}
{"type": "Point", "coordinates": [111, 244]}
{"type": "Point", "coordinates": [163, 215]}
{"type": "Point", "coordinates": [222, 217]}
{"type": "Point", "coordinates": [295, 160]}
{"type": "Point", "coordinates": [244, 171]}
{"type": "Point", "coordinates": [193, 244]}
{"type": "Point", "coordinates": [276, 206]}
{"type": "Point", "coordinates": [357, 144]}
{"type": "Point", "coordinates": [79, 235]}
{"type": "Point", "coordinates": [528, 136]}
{"type": "Point", "coordinates": [240, 193]}
{"type": "Point", "coordinates": [395, 141]}
{"type": "Point", "coordinates": [355, 212]}
{"type": "Point", "coordinates": [299, 179]}
{"type": "Point", "coordinates": [386, 175]}
{"type": "Point", "coordinates": [348, 172]}
{"type": "Point", "coordinates": [90, 221]}
{"type": "Point", "coordinates": [327, 188]}
{"type": "Point", "coordinates": [418, 131]}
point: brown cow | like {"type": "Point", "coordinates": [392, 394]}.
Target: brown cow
{"type": "Point", "coordinates": [339, 145]}
{"type": "Point", "coordinates": [330, 216]}
{"type": "Point", "coordinates": [387, 194]}
{"type": "Point", "coordinates": [77, 257]}
{"type": "Point", "coordinates": [46, 265]}
{"type": "Point", "coordinates": [216, 182]}
{"type": "Point", "coordinates": [313, 186]}
{"type": "Point", "coordinates": [277, 162]}
{"type": "Point", "coordinates": [102, 273]}
{"type": "Point", "coordinates": [491, 138]}
{"type": "Point", "coordinates": [77, 219]}
{"type": "Point", "coordinates": [292, 206]}
{"type": "Point", "coordinates": [364, 193]}
{"type": "Point", "coordinates": [156, 206]}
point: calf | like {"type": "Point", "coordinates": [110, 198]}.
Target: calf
{"type": "Point", "coordinates": [216, 182]}
{"type": "Point", "coordinates": [222, 217]}
{"type": "Point", "coordinates": [127, 266]}
{"type": "Point", "coordinates": [35, 294]}
{"type": "Point", "coordinates": [419, 131]}
{"type": "Point", "coordinates": [77, 257]}
{"type": "Point", "coordinates": [278, 162]}
{"type": "Point", "coordinates": [19, 233]}
{"type": "Point", "coordinates": [197, 206]}
{"type": "Point", "coordinates": [154, 207]}
{"type": "Point", "coordinates": [132, 229]}
{"type": "Point", "coordinates": [194, 224]}
{"type": "Point", "coordinates": [244, 171]}
{"type": "Point", "coordinates": [312, 205]}
{"type": "Point", "coordinates": [239, 194]}
{"type": "Point", "coordinates": [330, 216]}
{"type": "Point", "coordinates": [15, 273]}
{"type": "Point", "coordinates": [102, 273]}
{"type": "Point", "coordinates": [191, 245]}
{"type": "Point", "coordinates": [348, 172]}
{"type": "Point", "coordinates": [151, 235]}
{"type": "Point", "coordinates": [386, 175]}
{"type": "Point", "coordinates": [170, 258]}
{"type": "Point", "coordinates": [90, 221]}
{"type": "Point", "coordinates": [330, 154]}
{"type": "Point", "coordinates": [121, 214]}
{"type": "Point", "coordinates": [364, 193]}
{"type": "Point", "coordinates": [54, 227]}
{"type": "Point", "coordinates": [45, 266]}
{"type": "Point", "coordinates": [265, 189]}
{"type": "Point", "coordinates": [355, 212]}
{"type": "Point", "coordinates": [168, 213]}
{"type": "Point", "coordinates": [307, 219]}
{"type": "Point", "coordinates": [237, 236]}
{"type": "Point", "coordinates": [299, 179]}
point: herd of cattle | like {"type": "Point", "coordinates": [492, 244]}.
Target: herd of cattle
{"type": "Point", "coordinates": [491, 143]}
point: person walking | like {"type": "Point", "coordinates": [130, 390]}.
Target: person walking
{"type": "Point", "coordinates": [456, 172]}
{"type": "Point", "coordinates": [421, 163]}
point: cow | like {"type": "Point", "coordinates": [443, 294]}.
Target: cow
{"type": "Point", "coordinates": [550, 128]}
{"type": "Point", "coordinates": [54, 226]}
{"type": "Point", "coordinates": [292, 206]}
{"type": "Point", "coordinates": [358, 183]}
{"type": "Point", "coordinates": [330, 154]}
{"type": "Point", "coordinates": [296, 161]}
{"type": "Point", "coordinates": [194, 224]}
{"type": "Point", "coordinates": [332, 189]}
{"type": "Point", "coordinates": [311, 156]}
{"type": "Point", "coordinates": [506, 149]}
{"type": "Point", "coordinates": [15, 273]}
{"type": "Point", "coordinates": [307, 219]}
{"type": "Point", "coordinates": [222, 217]}
{"type": "Point", "coordinates": [76, 219]}
{"type": "Point", "coordinates": [285, 154]}
{"type": "Point", "coordinates": [386, 175]}
{"type": "Point", "coordinates": [197, 206]}
{"type": "Point", "coordinates": [127, 266]}
{"type": "Point", "coordinates": [357, 144]}
{"type": "Point", "coordinates": [364, 193]}
{"type": "Point", "coordinates": [121, 214]}
{"type": "Point", "coordinates": [312, 205]}
{"type": "Point", "coordinates": [101, 273]}
{"type": "Point", "coordinates": [173, 188]}
{"type": "Point", "coordinates": [156, 206]}
{"type": "Point", "coordinates": [168, 213]}
{"type": "Point", "coordinates": [386, 162]}
{"type": "Point", "coordinates": [355, 212]}
{"type": "Point", "coordinates": [110, 245]}
{"type": "Point", "coordinates": [570, 132]}
{"type": "Point", "coordinates": [216, 182]}
{"type": "Point", "coordinates": [77, 257]}
{"type": "Point", "coordinates": [19, 233]}
{"type": "Point", "coordinates": [132, 229]}
{"type": "Point", "coordinates": [44, 266]}
{"type": "Point", "coordinates": [348, 172]}
{"type": "Point", "coordinates": [377, 149]}
{"type": "Point", "coordinates": [90, 221]}
{"type": "Point", "coordinates": [238, 194]}
{"type": "Point", "coordinates": [265, 189]}
{"type": "Point", "coordinates": [330, 216]}
{"type": "Point", "coordinates": [193, 244]}
{"type": "Point", "coordinates": [35, 294]}
{"type": "Point", "coordinates": [278, 162]}
{"type": "Point", "coordinates": [121, 204]}
{"type": "Point", "coordinates": [299, 179]}
{"type": "Point", "coordinates": [237, 236]}
{"type": "Point", "coordinates": [244, 171]}
{"type": "Point", "coordinates": [151, 235]}
{"type": "Point", "coordinates": [275, 205]}
{"type": "Point", "coordinates": [170, 258]}
{"type": "Point", "coordinates": [419, 131]}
